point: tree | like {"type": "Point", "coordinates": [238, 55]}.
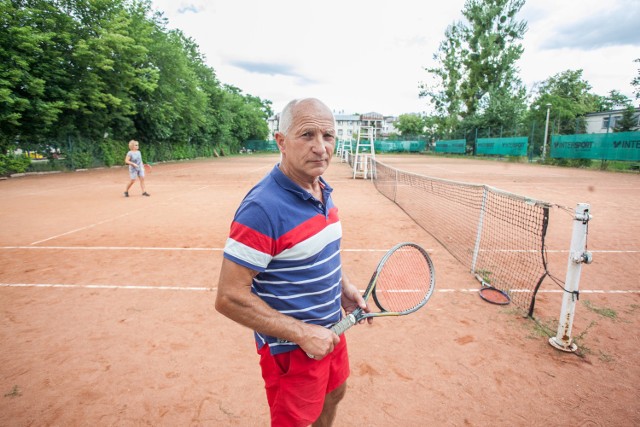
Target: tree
{"type": "Point", "coordinates": [477, 59]}
{"type": "Point", "coordinates": [570, 98]}
{"type": "Point", "coordinates": [628, 122]}
{"type": "Point", "coordinates": [83, 75]}
{"type": "Point", "coordinates": [636, 82]}
{"type": "Point", "coordinates": [493, 49]}
{"type": "Point", "coordinates": [410, 125]}
{"type": "Point", "coordinates": [33, 71]}
{"type": "Point", "coordinates": [444, 94]}
{"type": "Point", "coordinates": [614, 100]}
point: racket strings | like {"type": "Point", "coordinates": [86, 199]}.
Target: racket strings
{"type": "Point", "coordinates": [404, 280]}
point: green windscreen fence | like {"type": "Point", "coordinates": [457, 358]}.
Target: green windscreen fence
{"type": "Point", "coordinates": [607, 146]}
{"type": "Point", "coordinates": [386, 146]}
{"type": "Point", "coordinates": [514, 146]}
{"type": "Point", "coordinates": [399, 146]}
{"type": "Point", "coordinates": [380, 146]}
{"type": "Point", "coordinates": [457, 146]}
{"type": "Point", "coordinates": [260, 145]}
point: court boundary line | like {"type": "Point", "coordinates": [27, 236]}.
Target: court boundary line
{"type": "Point", "coordinates": [214, 289]}
{"type": "Point", "coordinates": [154, 248]}
{"type": "Point", "coordinates": [104, 221]}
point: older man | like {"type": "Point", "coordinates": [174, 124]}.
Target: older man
{"type": "Point", "coordinates": [282, 274]}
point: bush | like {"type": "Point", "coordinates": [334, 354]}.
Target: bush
{"type": "Point", "coordinates": [79, 160]}
{"type": "Point", "coordinates": [111, 152]}
{"type": "Point", "coordinates": [10, 164]}
{"type": "Point", "coordinates": [580, 163]}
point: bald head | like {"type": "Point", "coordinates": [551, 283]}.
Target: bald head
{"type": "Point", "coordinates": [298, 106]}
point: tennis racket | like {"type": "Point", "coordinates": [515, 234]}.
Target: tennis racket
{"type": "Point", "coordinates": [402, 283]}
{"type": "Point", "coordinates": [147, 167]}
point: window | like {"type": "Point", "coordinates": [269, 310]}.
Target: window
{"type": "Point", "coordinates": [609, 122]}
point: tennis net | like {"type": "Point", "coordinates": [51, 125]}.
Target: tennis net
{"type": "Point", "coordinates": [499, 236]}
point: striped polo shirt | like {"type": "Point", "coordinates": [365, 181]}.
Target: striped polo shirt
{"type": "Point", "coordinates": [293, 241]}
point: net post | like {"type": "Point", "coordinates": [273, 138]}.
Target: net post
{"type": "Point", "coordinates": [395, 187]}
{"type": "Point", "coordinates": [476, 247]}
{"type": "Point", "coordinates": [577, 256]}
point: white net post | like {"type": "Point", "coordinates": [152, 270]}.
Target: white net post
{"type": "Point", "coordinates": [577, 256]}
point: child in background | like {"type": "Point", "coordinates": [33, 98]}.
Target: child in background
{"type": "Point", "coordinates": [136, 167]}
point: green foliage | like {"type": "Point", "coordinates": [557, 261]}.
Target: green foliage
{"type": "Point", "coordinates": [410, 125]}
{"type": "Point", "coordinates": [628, 122]}
{"type": "Point", "coordinates": [477, 58]}
{"type": "Point", "coordinates": [475, 81]}
{"type": "Point", "coordinates": [79, 159]}
{"type": "Point", "coordinates": [10, 164]}
{"type": "Point", "coordinates": [636, 81]}
{"type": "Point", "coordinates": [569, 96]}
{"type": "Point", "coordinates": [602, 311]}
{"type": "Point", "coordinates": [574, 163]}
{"type": "Point", "coordinates": [475, 84]}
{"type": "Point", "coordinates": [109, 70]}
{"type": "Point", "coordinates": [112, 152]}
{"type": "Point", "coordinates": [613, 100]}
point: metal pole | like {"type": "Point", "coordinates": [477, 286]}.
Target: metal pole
{"type": "Point", "coordinates": [577, 256]}
{"type": "Point", "coordinates": [546, 133]}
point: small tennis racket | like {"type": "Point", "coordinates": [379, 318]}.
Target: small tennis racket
{"type": "Point", "coordinates": [147, 167]}
{"type": "Point", "coordinates": [402, 283]}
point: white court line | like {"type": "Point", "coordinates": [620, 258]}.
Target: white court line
{"type": "Point", "coordinates": [83, 228]}
{"type": "Point", "coordinates": [150, 248]}
{"type": "Point", "coordinates": [110, 219]}
{"type": "Point", "coordinates": [111, 248]}
{"type": "Point", "coordinates": [213, 289]}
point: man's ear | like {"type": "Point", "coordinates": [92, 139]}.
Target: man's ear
{"type": "Point", "coordinates": [280, 140]}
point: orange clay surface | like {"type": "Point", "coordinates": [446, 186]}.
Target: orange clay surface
{"type": "Point", "coordinates": [107, 317]}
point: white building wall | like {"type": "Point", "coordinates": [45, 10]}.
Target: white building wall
{"type": "Point", "coordinates": [605, 121]}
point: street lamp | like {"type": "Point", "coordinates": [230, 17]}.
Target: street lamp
{"type": "Point", "coordinates": [546, 133]}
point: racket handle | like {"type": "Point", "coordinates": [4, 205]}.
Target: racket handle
{"type": "Point", "coordinates": [349, 320]}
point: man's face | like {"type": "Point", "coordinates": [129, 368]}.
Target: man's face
{"type": "Point", "coordinates": [308, 146]}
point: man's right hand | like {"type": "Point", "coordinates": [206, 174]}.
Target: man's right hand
{"type": "Point", "coordinates": [318, 341]}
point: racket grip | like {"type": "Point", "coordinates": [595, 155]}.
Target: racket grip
{"type": "Point", "coordinates": [340, 327]}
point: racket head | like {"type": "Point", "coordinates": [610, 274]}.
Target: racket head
{"type": "Point", "coordinates": [402, 283]}
{"type": "Point", "coordinates": [494, 295]}
{"type": "Point", "coordinates": [404, 280]}
{"type": "Point", "coordinates": [147, 167]}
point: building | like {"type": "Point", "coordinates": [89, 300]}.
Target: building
{"type": "Point", "coordinates": [605, 121]}
{"type": "Point", "coordinates": [347, 125]}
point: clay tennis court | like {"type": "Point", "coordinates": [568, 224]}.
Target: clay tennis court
{"type": "Point", "coordinates": [107, 317]}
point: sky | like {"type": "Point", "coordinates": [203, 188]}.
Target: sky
{"type": "Point", "coordinates": [361, 56]}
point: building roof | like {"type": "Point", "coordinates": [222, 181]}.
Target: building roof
{"type": "Point", "coordinates": [611, 112]}
{"type": "Point", "coordinates": [345, 117]}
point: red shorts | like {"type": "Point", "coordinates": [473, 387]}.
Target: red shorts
{"type": "Point", "coordinates": [296, 385]}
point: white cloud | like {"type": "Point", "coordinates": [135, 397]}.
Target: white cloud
{"type": "Point", "coordinates": [361, 56]}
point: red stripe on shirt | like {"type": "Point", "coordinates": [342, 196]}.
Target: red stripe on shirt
{"type": "Point", "coordinates": [252, 238]}
{"type": "Point", "coordinates": [307, 229]}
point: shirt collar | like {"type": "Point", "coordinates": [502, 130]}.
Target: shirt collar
{"type": "Point", "coordinates": [286, 183]}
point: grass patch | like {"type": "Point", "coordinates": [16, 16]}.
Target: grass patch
{"type": "Point", "coordinates": [604, 312]}
{"type": "Point", "coordinates": [543, 329]}
{"type": "Point", "coordinates": [605, 357]}
{"type": "Point", "coordinates": [15, 392]}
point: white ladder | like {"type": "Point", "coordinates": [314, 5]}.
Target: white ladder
{"type": "Point", "coordinates": [365, 152]}
{"type": "Point", "coordinates": [345, 150]}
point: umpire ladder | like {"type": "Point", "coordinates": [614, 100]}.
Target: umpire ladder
{"type": "Point", "coordinates": [346, 150]}
{"type": "Point", "coordinates": [364, 153]}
